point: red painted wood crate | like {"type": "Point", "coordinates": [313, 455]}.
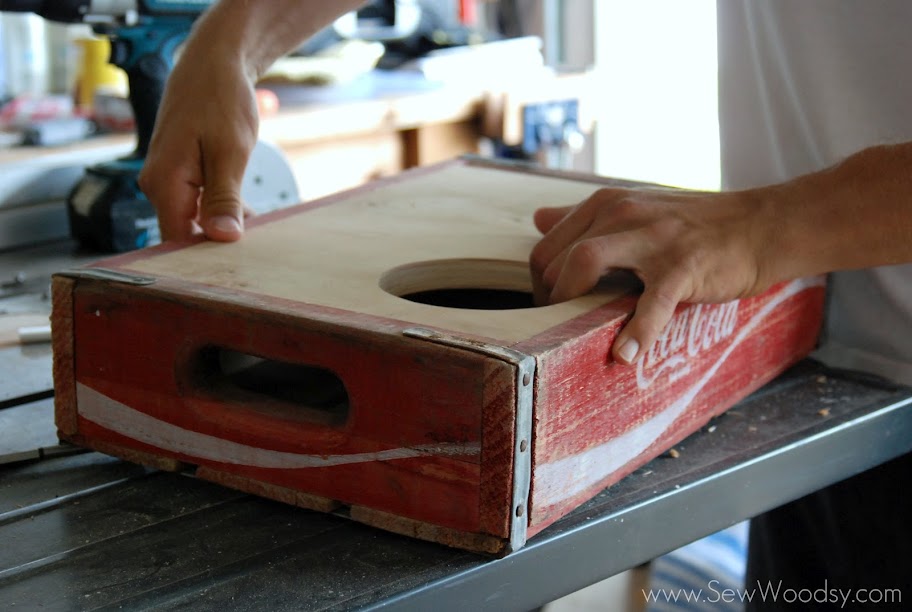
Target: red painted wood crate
{"type": "Point", "coordinates": [373, 350]}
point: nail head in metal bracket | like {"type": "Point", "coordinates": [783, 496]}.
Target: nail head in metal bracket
{"type": "Point", "coordinates": [109, 275]}
{"type": "Point", "coordinates": [522, 460]}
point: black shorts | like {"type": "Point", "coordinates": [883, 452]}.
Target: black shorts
{"type": "Point", "coordinates": [848, 546]}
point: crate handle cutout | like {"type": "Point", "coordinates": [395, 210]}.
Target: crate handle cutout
{"type": "Point", "coordinates": [278, 388]}
{"type": "Point", "coordinates": [477, 284]}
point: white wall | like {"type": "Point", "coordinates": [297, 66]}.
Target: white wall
{"type": "Point", "coordinates": [656, 63]}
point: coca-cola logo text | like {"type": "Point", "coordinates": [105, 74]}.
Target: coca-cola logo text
{"type": "Point", "coordinates": [692, 331]}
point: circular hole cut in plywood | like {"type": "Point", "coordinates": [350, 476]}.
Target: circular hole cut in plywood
{"type": "Point", "coordinates": [477, 284]}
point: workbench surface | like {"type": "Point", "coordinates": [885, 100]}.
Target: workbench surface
{"type": "Point", "coordinates": [86, 531]}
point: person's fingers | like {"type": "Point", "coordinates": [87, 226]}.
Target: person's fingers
{"type": "Point", "coordinates": [555, 269]}
{"type": "Point", "coordinates": [578, 269]}
{"type": "Point", "coordinates": [610, 209]}
{"type": "Point", "coordinates": [547, 217]}
{"type": "Point", "coordinates": [175, 199]}
{"type": "Point", "coordinates": [654, 310]}
{"type": "Point", "coordinates": [579, 272]}
{"type": "Point", "coordinates": [563, 233]}
{"type": "Point", "coordinates": [221, 211]}
{"type": "Point", "coordinates": [561, 236]}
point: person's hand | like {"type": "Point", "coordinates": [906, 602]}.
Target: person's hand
{"type": "Point", "coordinates": [207, 122]}
{"type": "Point", "coordinates": [683, 246]}
{"type": "Point", "coordinates": [204, 133]}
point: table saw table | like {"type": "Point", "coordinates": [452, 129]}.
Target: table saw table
{"type": "Point", "coordinates": [86, 531]}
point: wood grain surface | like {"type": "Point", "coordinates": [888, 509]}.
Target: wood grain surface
{"type": "Point", "coordinates": [335, 255]}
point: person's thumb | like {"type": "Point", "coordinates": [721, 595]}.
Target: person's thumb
{"type": "Point", "coordinates": [221, 212]}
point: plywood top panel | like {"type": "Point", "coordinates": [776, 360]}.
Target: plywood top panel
{"type": "Point", "coordinates": [335, 255]}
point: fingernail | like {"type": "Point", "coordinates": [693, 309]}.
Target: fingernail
{"type": "Point", "coordinates": [226, 224]}
{"type": "Point", "coordinates": [629, 350]}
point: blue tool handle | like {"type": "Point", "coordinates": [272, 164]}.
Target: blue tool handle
{"type": "Point", "coordinates": [146, 54]}
{"type": "Point", "coordinates": [147, 84]}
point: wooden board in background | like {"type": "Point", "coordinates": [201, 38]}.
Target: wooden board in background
{"type": "Point", "coordinates": [11, 323]}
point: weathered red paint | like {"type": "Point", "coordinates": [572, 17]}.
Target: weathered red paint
{"type": "Point", "coordinates": [427, 447]}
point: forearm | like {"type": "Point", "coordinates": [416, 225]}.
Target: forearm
{"type": "Point", "coordinates": [258, 33]}
{"type": "Point", "coordinates": [856, 214]}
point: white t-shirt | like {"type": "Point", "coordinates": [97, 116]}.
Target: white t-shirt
{"type": "Point", "coordinates": [804, 84]}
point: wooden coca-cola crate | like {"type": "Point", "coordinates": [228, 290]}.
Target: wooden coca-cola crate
{"type": "Point", "coordinates": [378, 350]}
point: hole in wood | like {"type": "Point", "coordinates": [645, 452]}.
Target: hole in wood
{"type": "Point", "coordinates": [286, 390]}
{"type": "Point", "coordinates": [477, 284]}
{"type": "Point", "coordinates": [474, 299]}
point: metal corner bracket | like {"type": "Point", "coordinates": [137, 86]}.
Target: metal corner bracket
{"type": "Point", "coordinates": [108, 275]}
{"type": "Point", "coordinates": [522, 450]}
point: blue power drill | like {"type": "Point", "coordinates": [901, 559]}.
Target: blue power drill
{"type": "Point", "coordinates": [107, 210]}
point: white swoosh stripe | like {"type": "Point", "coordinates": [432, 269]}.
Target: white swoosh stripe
{"type": "Point", "coordinates": [552, 481]}
{"type": "Point", "coordinates": [120, 418]}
